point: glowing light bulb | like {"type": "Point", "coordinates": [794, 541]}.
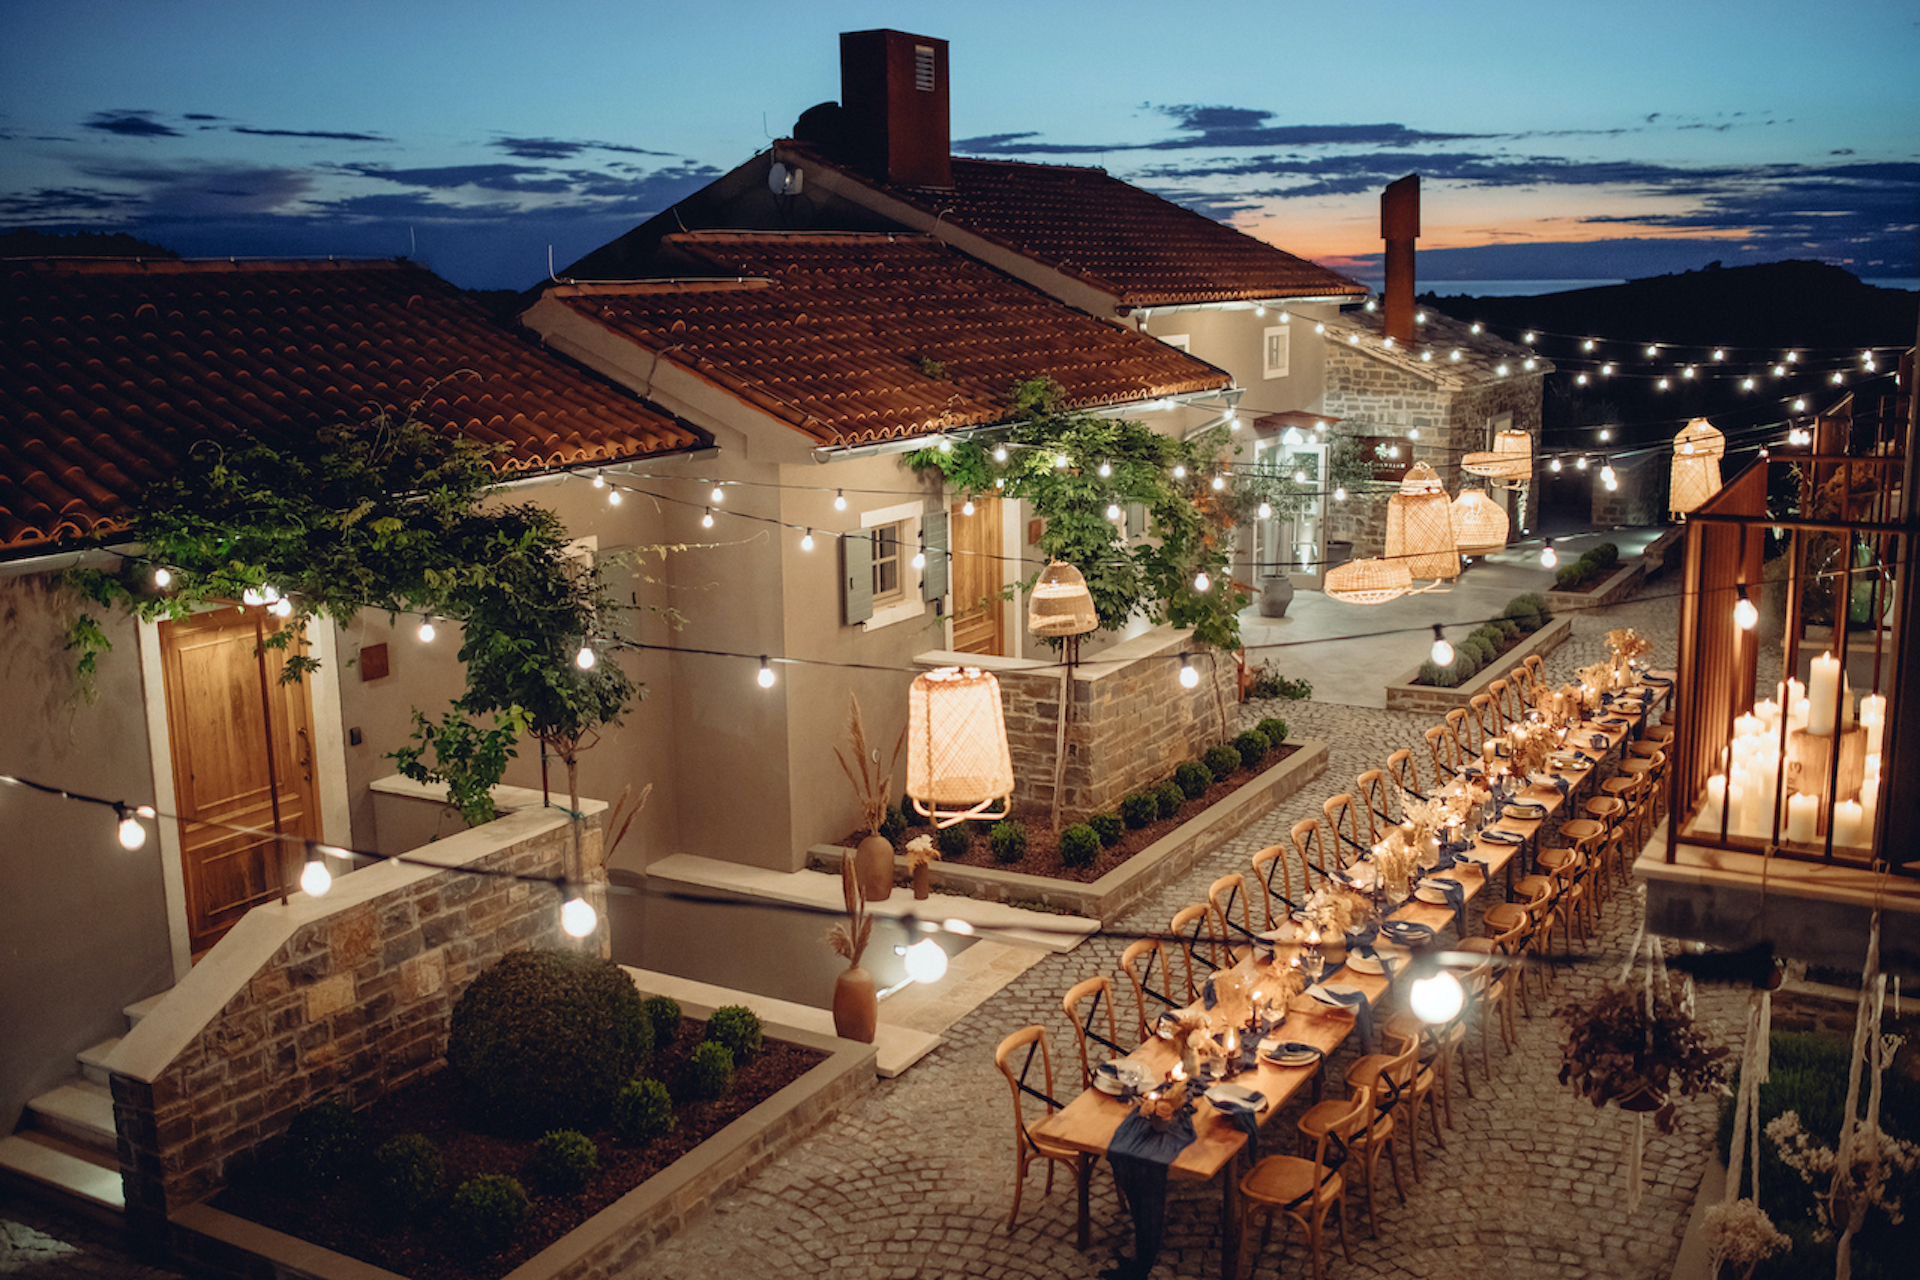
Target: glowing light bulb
{"type": "Point", "coordinates": [599, 479]}
{"type": "Point", "coordinates": [1606, 370]}
{"type": "Point", "coordinates": [1189, 674]}
{"type": "Point", "coordinates": [426, 632]}
{"type": "Point", "coordinates": [1554, 465]}
{"type": "Point", "coordinates": [1548, 556]}
{"type": "Point", "coordinates": [1219, 483]}
{"type": "Point", "coordinates": [1527, 338]}
{"type": "Point", "coordinates": [577, 917]}
{"type": "Point", "coordinates": [1059, 462]}
{"type": "Point", "coordinates": [585, 658]}
{"type": "Point", "coordinates": [966, 508]}
{"type": "Point", "coordinates": [281, 608]}
{"type": "Point", "coordinates": [1299, 477]}
{"type": "Point", "coordinates": [1587, 345]}
{"type": "Point", "coordinates": [925, 961]}
{"type": "Point", "coordinates": [315, 879]}
{"type": "Point", "coordinates": [1266, 511]}
{"type": "Point", "coordinates": [1474, 327]}
{"type": "Point", "coordinates": [251, 596]}
{"type": "Point", "coordinates": [946, 445]}
{"type": "Point", "coordinates": [1611, 484]}
{"type": "Point", "coordinates": [1201, 581]}
{"type": "Point", "coordinates": [1663, 384]}
{"type": "Point", "coordinates": [718, 495]}
{"type": "Point", "coordinates": [132, 834]}
{"type": "Point", "coordinates": [1606, 474]}
{"type": "Point", "coordinates": [1719, 353]}
{"type": "Point", "coordinates": [1340, 493]}
{"type": "Point", "coordinates": [1436, 999]}
{"type": "Point", "coordinates": [1581, 464]}
{"type": "Point", "coordinates": [1500, 370]}
{"type": "Point", "coordinates": [1232, 415]}
{"type": "Point", "coordinates": [1113, 511]}
{"type": "Point", "coordinates": [614, 496]}
{"type": "Point", "coordinates": [1000, 453]}
{"type": "Point", "coordinates": [162, 578]}
{"type": "Point", "coordinates": [1746, 384]}
{"type": "Point", "coordinates": [806, 540]}
{"type": "Point", "coordinates": [1179, 471]}
{"type": "Point", "coordinates": [706, 521]}
{"type": "Point", "coordinates": [1442, 652]}
{"type": "Point", "coordinates": [1413, 433]}
{"type": "Point", "coordinates": [1419, 317]}
{"type": "Point", "coordinates": [1605, 435]}
{"type": "Point", "coordinates": [1652, 350]}
{"type": "Point", "coordinates": [1744, 613]}
{"type": "Point", "coordinates": [1106, 469]}
{"type": "Point", "coordinates": [920, 558]}
{"type": "Point", "coordinates": [766, 673]}
{"type": "Point", "coordinates": [1580, 379]}
{"type": "Point", "coordinates": [839, 499]}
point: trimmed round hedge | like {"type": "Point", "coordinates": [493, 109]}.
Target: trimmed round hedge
{"type": "Point", "coordinates": [546, 1039]}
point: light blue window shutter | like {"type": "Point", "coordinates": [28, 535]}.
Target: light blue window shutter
{"type": "Point", "coordinates": [1136, 519]}
{"type": "Point", "coordinates": [933, 578]}
{"type": "Point", "coordinates": [856, 575]}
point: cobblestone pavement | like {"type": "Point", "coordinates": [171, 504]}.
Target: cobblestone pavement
{"type": "Point", "coordinates": [39, 1242]}
{"type": "Point", "coordinates": [915, 1180]}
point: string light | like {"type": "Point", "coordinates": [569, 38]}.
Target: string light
{"type": "Point", "coordinates": [599, 479]}
{"type": "Point", "coordinates": [1059, 462]}
{"type": "Point", "coordinates": [426, 632]}
{"type": "Point", "coordinates": [251, 597]}
{"type": "Point", "coordinates": [920, 555]}
{"type": "Point", "coordinates": [925, 961]}
{"type": "Point", "coordinates": [1744, 614]}
{"type": "Point", "coordinates": [1606, 475]}
{"type": "Point", "coordinates": [806, 540]}
{"type": "Point", "coordinates": [162, 578]}
{"type": "Point", "coordinates": [1179, 471]}
{"type": "Point", "coordinates": [1106, 469]}
{"type": "Point", "coordinates": [706, 521]}
{"type": "Point", "coordinates": [1000, 453]}
{"type": "Point", "coordinates": [1340, 493]}
{"type": "Point", "coordinates": [281, 608]}
{"type": "Point", "coordinates": [1201, 582]}
{"type": "Point", "coordinates": [1581, 464]}
{"type": "Point", "coordinates": [946, 445]}
{"type": "Point", "coordinates": [315, 879]}
{"type": "Point", "coordinates": [1442, 651]}
{"type": "Point", "coordinates": [1266, 511]}
{"type": "Point", "coordinates": [1219, 483]}
{"type": "Point", "coordinates": [718, 495]}
{"type": "Point", "coordinates": [966, 508]}
{"type": "Point", "coordinates": [1605, 435]}
{"type": "Point", "coordinates": [614, 496]}
{"type": "Point", "coordinates": [1413, 433]}
{"type": "Point", "coordinates": [585, 658]}
{"type": "Point", "coordinates": [1548, 556]}
{"type": "Point", "coordinates": [132, 834]}
{"type": "Point", "coordinates": [1189, 674]}
{"type": "Point", "coordinates": [1553, 465]}
{"type": "Point", "coordinates": [1113, 511]}
{"type": "Point", "coordinates": [577, 916]}
{"type": "Point", "coordinates": [766, 673]}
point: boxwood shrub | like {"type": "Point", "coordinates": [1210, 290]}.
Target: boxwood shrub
{"type": "Point", "coordinates": [408, 1176]}
{"type": "Point", "coordinates": [565, 1160]}
{"type": "Point", "coordinates": [1109, 826]}
{"type": "Point", "coordinates": [643, 1111]}
{"type": "Point", "coordinates": [1275, 729]}
{"type": "Point", "coordinates": [1222, 761]}
{"type": "Point", "coordinates": [1252, 746]}
{"type": "Point", "coordinates": [1139, 809]}
{"type": "Point", "coordinates": [954, 841]}
{"type": "Point", "coordinates": [738, 1028]}
{"type": "Point", "coordinates": [1009, 841]}
{"type": "Point", "coordinates": [1170, 798]}
{"type": "Point", "coordinates": [709, 1070]}
{"type": "Point", "coordinates": [1193, 778]}
{"type": "Point", "coordinates": [1079, 845]}
{"type": "Point", "coordinates": [489, 1210]}
{"type": "Point", "coordinates": [326, 1142]}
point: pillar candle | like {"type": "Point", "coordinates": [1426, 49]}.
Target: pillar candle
{"type": "Point", "coordinates": [1873, 717]}
{"type": "Point", "coordinates": [1769, 712]}
{"type": "Point", "coordinates": [1790, 692]}
{"type": "Point", "coordinates": [1748, 726]}
{"type": "Point", "coordinates": [1846, 702]}
{"type": "Point", "coordinates": [1823, 694]}
{"type": "Point", "coordinates": [1849, 824]}
{"type": "Point", "coordinates": [1869, 803]}
{"type": "Point", "coordinates": [1711, 811]}
{"type": "Point", "coordinates": [1797, 716]}
{"type": "Point", "coordinates": [1803, 812]}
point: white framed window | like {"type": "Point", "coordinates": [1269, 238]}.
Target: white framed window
{"type": "Point", "coordinates": [880, 584]}
{"type": "Point", "coordinates": [1276, 351]}
{"type": "Point", "coordinates": [889, 583]}
{"type": "Point", "coordinates": [1178, 341]}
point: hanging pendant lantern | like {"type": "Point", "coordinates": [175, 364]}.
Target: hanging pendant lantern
{"type": "Point", "coordinates": [1510, 459]}
{"type": "Point", "coordinates": [1480, 524]}
{"type": "Point", "coordinates": [1060, 604]}
{"type": "Point", "coordinates": [1369, 581]}
{"type": "Point", "coordinates": [1697, 451]}
{"type": "Point", "coordinates": [1420, 526]}
{"type": "Point", "coordinates": [958, 765]}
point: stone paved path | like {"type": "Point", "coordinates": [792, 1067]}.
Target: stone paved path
{"type": "Point", "coordinates": [915, 1181]}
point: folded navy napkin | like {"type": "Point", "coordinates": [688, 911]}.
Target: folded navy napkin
{"type": "Point", "coordinates": [1364, 934]}
{"type": "Point", "coordinates": [1384, 959]}
{"type": "Point", "coordinates": [1140, 1152]}
{"type": "Point", "coordinates": [1500, 835]}
{"type": "Point", "coordinates": [1456, 846]}
{"type": "Point", "coordinates": [1456, 894]}
{"type": "Point", "coordinates": [1208, 996]}
{"type": "Point", "coordinates": [1354, 1000]}
{"type": "Point", "coordinates": [1601, 740]}
{"type": "Point", "coordinates": [1246, 1116]}
{"type": "Point", "coordinates": [1653, 679]}
{"type": "Point", "coordinates": [1408, 933]}
{"type": "Point", "coordinates": [1562, 784]}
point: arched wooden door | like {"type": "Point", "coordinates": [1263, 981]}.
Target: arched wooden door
{"type": "Point", "coordinates": [236, 731]}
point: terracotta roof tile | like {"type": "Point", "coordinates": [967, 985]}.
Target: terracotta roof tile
{"type": "Point", "coordinates": [1142, 249]}
{"type": "Point", "coordinates": [838, 334]}
{"type": "Point", "coordinates": [1483, 357]}
{"type": "Point", "coordinates": [112, 368]}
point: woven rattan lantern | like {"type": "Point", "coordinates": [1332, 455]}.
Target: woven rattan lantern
{"type": "Point", "coordinates": [1511, 458]}
{"type": "Point", "coordinates": [1697, 451]}
{"type": "Point", "coordinates": [958, 766]}
{"type": "Point", "coordinates": [1367, 581]}
{"type": "Point", "coordinates": [1479, 524]}
{"type": "Point", "coordinates": [1060, 604]}
{"type": "Point", "coordinates": [1420, 526]}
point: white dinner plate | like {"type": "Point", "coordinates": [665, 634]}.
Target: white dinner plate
{"type": "Point", "coordinates": [1433, 896]}
{"type": "Point", "coordinates": [1363, 964]}
{"type": "Point", "coordinates": [1280, 1056]}
{"type": "Point", "coordinates": [1339, 989]}
{"type": "Point", "coordinates": [1229, 1094]}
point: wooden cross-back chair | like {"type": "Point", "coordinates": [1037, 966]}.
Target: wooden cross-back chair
{"type": "Point", "coordinates": [1096, 994]}
{"type": "Point", "coordinates": [1224, 895]}
{"type": "Point", "coordinates": [1386, 1081]}
{"type": "Point", "coordinates": [1444, 749]}
{"type": "Point", "coordinates": [1145, 964]}
{"type": "Point", "coordinates": [1481, 727]}
{"type": "Point", "coordinates": [1273, 871]}
{"type": "Point", "coordinates": [1497, 705]}
{"type": "Point", "coordinates": [1196, 939]}
{"type": "Point", "coordinates": [1028, 1147]}
{"type": "Point", "coordinates": [1375, 804]}
{"type": "Point", "coordinates": [1459, 726]}
{"type": "Point", "coordinates": [1302, 1189]}
{"type": "Point", "coordinates": [1343, 820]}
{"type": "Point", "coordinates": [1520, 680]}
{"type": "Point", "coordinates": [1307, 845]}
{"type": "Point", "coordinates": [1405, 772]}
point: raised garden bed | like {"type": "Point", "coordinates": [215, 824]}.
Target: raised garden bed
{"type": "Point", "coordinates": [640, 1197]}
{"type": "Point", "coordinates": [1602, 593]}
{"type": "Point", "coordinates": [1117, 880]}
{"type": "Point", "coordinates": [1427, 699]}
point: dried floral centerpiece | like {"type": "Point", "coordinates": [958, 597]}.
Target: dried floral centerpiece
{"type": "Point", "coordinates": [1638, 1046]}
{"type": "Point", "coordinates": [872, 783]}
{"type": "Point", "coordinates": [921, 855]}
{"type": "Point", "coordinates": [856, 1002]}
{"type": "Point", "coordinates": [1162, 1106]}
{"type": "Point", "coordinates": [1740, 1236]}
{"type": "Point", "coordinates": [1628, 646]}
{"type": "Point", "coordinates": [1331, 910]}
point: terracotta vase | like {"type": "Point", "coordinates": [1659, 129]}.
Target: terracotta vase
{"type": "Point", "coordinates": [923, 880]}
{"type": "Point", "coordinates": [873, 860]}
{"type": "Point", "coordinates": [856, 1005]}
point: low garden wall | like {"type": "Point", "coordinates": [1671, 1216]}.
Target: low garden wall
{"type": "Point", "coordinates": [1611, 590]}
{"type": "Point", "coordinates": [1161, 862]}
{"type": "Point", "coordinates": [345, 997]}
{"type": "Point", "coordinates": [1427, 699]}
{"type": "Point", "coordinates": [1129, 721]}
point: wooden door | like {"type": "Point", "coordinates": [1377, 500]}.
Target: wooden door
{"type": "Point", "coordinates": [978, 610]}
{"type": "Point", "coordinates": [234, 735]}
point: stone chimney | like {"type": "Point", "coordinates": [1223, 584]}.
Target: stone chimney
{"type": "Point", "coordinates": [1400, 227]}
{"type": "Point", "coordinates": [893, 95]}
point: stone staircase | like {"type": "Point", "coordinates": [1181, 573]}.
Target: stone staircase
{"type": "Point", "coordinates": [66, 1142]}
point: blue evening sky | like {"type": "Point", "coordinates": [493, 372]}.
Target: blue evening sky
{"type": "Point", "coordinates": [1554, 141]}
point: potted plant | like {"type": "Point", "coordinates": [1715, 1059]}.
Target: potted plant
{"type": "Point", "coordinates": [871, 785]}
{"type": "Point", "coordinates": [856, 1003]}
{"type": "Point", "coordinates": [1285, 499]}
{"type": "Point", "coordinates": [1638, 1047]}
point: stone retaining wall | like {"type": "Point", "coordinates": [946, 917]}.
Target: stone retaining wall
{"type": "Point", "coordinates": [1427, 699]}
{"type": "Point", "coordinates": [1609, 591]}
{"type": "Point", "coordinates": [352, 1002]}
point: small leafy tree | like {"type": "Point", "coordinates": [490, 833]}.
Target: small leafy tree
{"type": "Point", "coordinates": [1189, 520]}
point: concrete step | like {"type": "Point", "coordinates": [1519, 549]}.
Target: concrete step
{"type": "Point", "coordinates": [93, 1061]}
{"type": "Point", "coordinates": [141, 1008]}
{"type": "Point", "coordinates": [80, 1111]}
{"type": "Point", "coordinates": [44, 1161]}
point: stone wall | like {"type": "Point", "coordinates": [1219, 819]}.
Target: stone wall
{"type": "Point", "coordinates": [1130, 721]}
{"type": "Point", "coordinates": [1641, 497]}
{"type": "Point", "coordinates": [351, 1003]}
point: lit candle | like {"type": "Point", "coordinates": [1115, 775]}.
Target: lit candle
{"type": "Point", "coordinates": [1748, 726]}
{"type": "Point", "coordinates": [1769, 712]}
{"type": "Point", "coordinates": [1846, 703]}
{"type": "Point", "coordinates": [1716, 805]}
{"type": "Point", "coordinates": [1849, 824]}
{"type": "Point", "coordinates": [1873, 718]}
{"type": "Point", "coordinates": [1797, 716]}
{"type": "Point", "coordinates": [1790, 692]}
{"type": "Point", "coordinates": [1869, 803]}
{"type": "Point", "coordinates": [1823, 694]}
{"type": "Point", "coordinates": [1803, 813]}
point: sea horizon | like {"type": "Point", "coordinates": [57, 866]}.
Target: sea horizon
{"type": "Point", "coordinates": [1534, 288]}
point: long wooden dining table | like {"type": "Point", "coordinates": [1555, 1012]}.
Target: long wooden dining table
{"type": "Point", "coordinates": [1087, 1123]}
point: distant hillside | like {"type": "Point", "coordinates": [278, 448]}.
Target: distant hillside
{"type": "Point", "coordinates": [1777, 304]}
{"type": "Point", "coordinates": [23, 242]}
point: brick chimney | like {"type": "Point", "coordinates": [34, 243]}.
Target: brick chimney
{"type": "Point", "coordinates": [1400, 227]}
{"type": "Point", "coordinates": [893, 93]}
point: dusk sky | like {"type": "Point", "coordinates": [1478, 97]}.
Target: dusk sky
{"type": "Point", "coordinates": [1553, 141]}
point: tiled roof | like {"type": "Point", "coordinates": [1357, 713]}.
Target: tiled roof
{"type": "Point", "coordinates": [111, 368]}
{"type": "Point", "coordinates": [1145, 251]}
{"type": "Point", "coordinates": [1482, 357]}
{"type": "Point", "coordinates": [853, 337]}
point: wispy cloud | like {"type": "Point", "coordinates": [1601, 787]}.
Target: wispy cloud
{"type": "Point", "coordinates": [563, 149]}
{"type": "Point", "coordinates": [130, 124]}
{"type": "Point", "coordinates": [309, 133]}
